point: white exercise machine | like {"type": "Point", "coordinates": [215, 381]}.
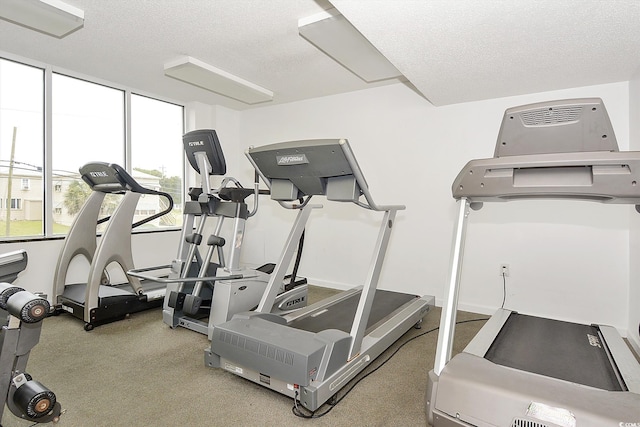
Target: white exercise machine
{"type": "Point", "coordinates": [522, 370]}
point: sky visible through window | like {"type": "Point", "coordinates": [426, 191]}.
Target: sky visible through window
{"type": "Point", "coordinates": [88, 123]}
{"type": "Point", "coordinates": [21, 108]}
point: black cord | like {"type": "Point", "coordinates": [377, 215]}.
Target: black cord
{"type": "Point", "coordinates": [299, 411]}
{"type": "Point", "coordinates": [504, 289]}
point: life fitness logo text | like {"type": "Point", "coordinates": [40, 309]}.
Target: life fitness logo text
{"type": "Point", "coordinates": [292, 159]}
{"type": "Point", "coordinates": [629, 424]}
{"type": "Point", "coordinates": [195, 143]}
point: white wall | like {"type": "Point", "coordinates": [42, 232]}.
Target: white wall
{"type": "Point", "coordinates": [226, 122]}
{"type": "Point", "coordinates": [634, 251]}
{"type": "Point", "coordinates": [569, 260]}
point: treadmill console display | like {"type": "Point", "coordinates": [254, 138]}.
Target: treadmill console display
{"type": "Point", "coordinates": [298, 169]}
{"type": "Point", "coordinates": [564, 126]}
{"type": "Point", "coordinates": [204, 141]}
{"type": "Point", "coordinates": [561, 149]}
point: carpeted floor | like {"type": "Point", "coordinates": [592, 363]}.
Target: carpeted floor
{"type": "Point", "coordinates": [139, 372]}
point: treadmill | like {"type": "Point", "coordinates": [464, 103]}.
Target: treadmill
{"type": "Point", "coordinates": [97, 301]}
{"type": "Point", "coordinates": [521, 370]}
{"type": "Point", "coordinates": [312, 353]}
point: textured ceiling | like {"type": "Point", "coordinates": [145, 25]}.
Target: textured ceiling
{"type": "Point", "coordinates": [451, 51]}
{"type": "Point", "coordinates": [459, 51]}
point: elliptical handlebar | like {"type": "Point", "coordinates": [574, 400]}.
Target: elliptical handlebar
{"type": "Point", "coordinates": [133, 185]}
{"type": "Point", "coordinates": [112, 178]}
{"type": "Point", "coordinates": [101, 176]}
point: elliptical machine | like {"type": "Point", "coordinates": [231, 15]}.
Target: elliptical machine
{"type": "Point", "coordinates": [219, 289]}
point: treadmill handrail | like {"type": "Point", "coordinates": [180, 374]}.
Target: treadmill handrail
{"type": "Point", "coordinates": [364, 187]}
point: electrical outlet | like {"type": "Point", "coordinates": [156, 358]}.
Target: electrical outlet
{"type": "Point", "coordinates": [504, 270]}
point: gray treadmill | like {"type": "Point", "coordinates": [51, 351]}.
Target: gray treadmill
{"type": "Point", "coordinates": [312, 353]}
{"type": "Point", "coordinates": [522, 370]}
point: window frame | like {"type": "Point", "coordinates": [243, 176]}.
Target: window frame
{"type": "Point", "coordinates": [47, 176]}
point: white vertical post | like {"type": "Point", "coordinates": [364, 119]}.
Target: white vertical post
{"type": "Point", "coordinates": [450, 302]}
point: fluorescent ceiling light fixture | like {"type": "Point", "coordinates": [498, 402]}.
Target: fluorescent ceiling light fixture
{"type": "Point", "coordinates": [205, 76]}
{"type": "Point", "coordinates": [52, 17]}
{"type": "Point", "coordinates": [330, 32]}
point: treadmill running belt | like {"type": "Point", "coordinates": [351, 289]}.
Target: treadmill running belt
{"type": "Point", "coordinates": [563, 350]}
{"type": "Point", "coordinates": [340, 315]}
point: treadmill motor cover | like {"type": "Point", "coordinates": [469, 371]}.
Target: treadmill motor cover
{"type": "Point", "coordinates": [294, 357]}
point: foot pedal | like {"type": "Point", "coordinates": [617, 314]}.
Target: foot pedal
{"type": "Point", "coordinates": [176, 300]}
{"type": "Point", "coordinates": [267, 268]}
{"type": "Point", "coordinates": [298, 281]}
{"type": "Point", "coordinates": [192, 304]}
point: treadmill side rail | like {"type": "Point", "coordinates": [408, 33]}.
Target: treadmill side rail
{"type": "Point", "coordinates": [481, 342]}
{"type": "Point", "coordinates": [624, 359]}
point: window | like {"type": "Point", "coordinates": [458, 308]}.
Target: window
{"type": "Point", "coordinates": [156, 156]}
{"type": "Point", "coordinates": [15, 204]}
{"type": "Point", "coordinates": [21, 147]}
{"type": "Point", "coordinates": [87, 124]}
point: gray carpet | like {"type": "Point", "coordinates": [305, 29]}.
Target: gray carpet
{"type": "Point", "coordinates": [139, 372]}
